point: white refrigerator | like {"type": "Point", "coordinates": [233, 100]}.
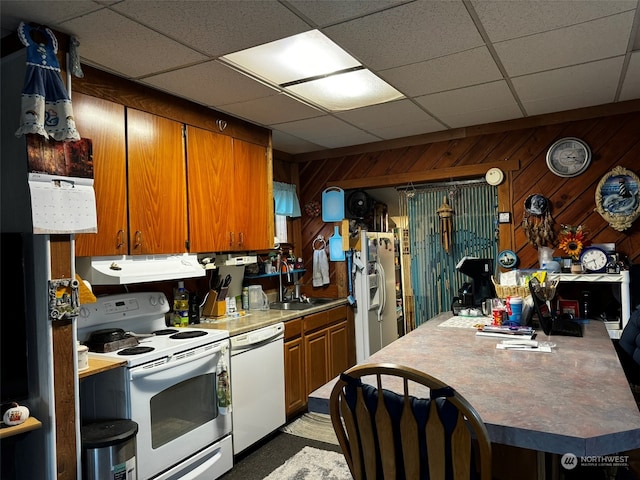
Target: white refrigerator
{"type": "Point", "coordinates": [375, 293]}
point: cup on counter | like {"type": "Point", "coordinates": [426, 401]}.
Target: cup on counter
{"type": "Point", "coordinates": [497, 315]}
{"type": "Point", "coordinates": [514, 309]}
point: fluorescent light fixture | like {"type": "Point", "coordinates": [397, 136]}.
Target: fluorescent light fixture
{"type": "Point", "coordinates": [312, 67]}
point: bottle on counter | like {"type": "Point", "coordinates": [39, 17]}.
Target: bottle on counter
{"type": "Point", "coordinates": [180, 306]}
{"type": "Point", "coordinates": [245, 298]}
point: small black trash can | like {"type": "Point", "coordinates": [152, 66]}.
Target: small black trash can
{"type": "Point", "coordinates": [109, 450]}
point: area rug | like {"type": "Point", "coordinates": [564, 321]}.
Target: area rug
{"type": "Point", "coordinates": [313, 464]}
{"type": "Point", "coordinates": [315, 426]}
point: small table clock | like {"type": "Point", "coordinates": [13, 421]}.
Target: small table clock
{"type": "Point", "coordinates": [594, 260]}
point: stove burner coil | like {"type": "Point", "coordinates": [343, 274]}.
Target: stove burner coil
{"type": "Point", "coordinates": [136, 350]}
{"type": "Point", "coordinates": [166, 331]}
{"type": "Point", "coordinates": [191, 334]}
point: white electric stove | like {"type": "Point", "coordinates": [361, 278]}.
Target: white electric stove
{"type": "Point", "coordinates": [168, 387]}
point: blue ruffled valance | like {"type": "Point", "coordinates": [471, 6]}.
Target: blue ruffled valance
{"type": "Point", "coordinates": [286, 199]}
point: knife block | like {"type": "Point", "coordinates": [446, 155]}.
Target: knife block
{"type": "Point", "coordinates": [220, 308]}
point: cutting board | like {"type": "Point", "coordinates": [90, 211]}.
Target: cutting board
{"type": "Point", "coordinates": [336, 253]}
{"type": "Point", "coordinates": [333, 204]}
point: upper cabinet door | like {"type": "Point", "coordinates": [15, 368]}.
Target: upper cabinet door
{"type": "Point", "coordinates": [210, 191]}
{"type": "Point", "coordinates": [157, 184]}
{"type": "Point", "coordinates": [254, 195]}
{"type": "Point", "coordinates": [103, 122]}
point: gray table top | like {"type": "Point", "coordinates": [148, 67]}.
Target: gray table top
{"type": "Point", "coordinates": [573, 400]}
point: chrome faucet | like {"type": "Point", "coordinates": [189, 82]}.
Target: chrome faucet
{"type": "Point", "coordinates": [282, 265]}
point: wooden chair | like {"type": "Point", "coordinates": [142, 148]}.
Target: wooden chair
{"type": "Point", "coordinates": [399, 436]}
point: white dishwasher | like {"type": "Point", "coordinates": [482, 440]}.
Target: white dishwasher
{"type": "Point", "coordinates": [257, 385]}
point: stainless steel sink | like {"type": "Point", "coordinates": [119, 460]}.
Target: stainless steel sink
{"type": "Point", "coordinates": [297, 305]}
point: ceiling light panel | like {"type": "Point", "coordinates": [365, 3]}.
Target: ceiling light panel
{"type": "Point", "coordinates": [305, 55]}
{"type": "Point", "coordinates": [346, 91]}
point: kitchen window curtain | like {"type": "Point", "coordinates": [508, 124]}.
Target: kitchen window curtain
{"type": "Point", "coordinates": [286, 200]}
{"type": "Point", "coordinates": [434, 278]}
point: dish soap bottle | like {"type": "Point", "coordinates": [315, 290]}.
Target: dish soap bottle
{"type": "Point", "coordinates": [180, 306]}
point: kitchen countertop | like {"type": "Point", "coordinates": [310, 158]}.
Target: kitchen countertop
{"type": "Point", "coordinates": [255, 319]}
{"type": "Point", "coordinates": [575, 399]}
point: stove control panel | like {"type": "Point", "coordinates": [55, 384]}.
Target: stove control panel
{"type": "Point", "coordinates": [124, 306]}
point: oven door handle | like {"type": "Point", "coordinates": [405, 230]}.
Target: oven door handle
{"type": "Point", "coordinates": [150, 369]}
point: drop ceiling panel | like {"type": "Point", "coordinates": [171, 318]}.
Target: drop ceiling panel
{"type": "Point", "coordinates": [271, 110]}
{"type": "Point", "coordinates": [462, 69]}
{"type": "Point", "coordinates": [492, 102]}
{"type": "Point", "coordinates": [572, 87]}
{"type": "Point", "coordinates": [210, 83]}
{"type": "Point", "coordinates": [381, 117]}
{"type": "Point", "coordinates": [327, 131]}
{"type": "Point", "coordinates": [293, 145]}
{"type": "Point", "coordinates": [409, 33]}
{"type": "Point", "coordinates": [506, 20]}
{"type": "Point", "coordinates": [570, 46]}
{"type": "Point", "coordinates": [44, 12]}
{"type": "Point", "coordinates": [327, 13]}
{"type": "Point", "coordinates": [146, 51]}
{"type": "Point", "coordinates": [631, 85]}
{"type": "Point", "coordinates": [558, 55]}
{"type": "Point", "coordinates": [219, 27]}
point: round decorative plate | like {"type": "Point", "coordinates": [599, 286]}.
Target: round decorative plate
{"type": "Point", "coordinates": [507, 259]}
{"type": "Point", "coordinates": [536, 204]}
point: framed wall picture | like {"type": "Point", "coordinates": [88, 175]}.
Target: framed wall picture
{"type": "Point", "coordinates": [504, 217]}
{"type": "Point", "coordinates": [618, 198]}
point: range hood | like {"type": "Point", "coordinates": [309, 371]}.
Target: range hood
{"type": "Point", "coordinates": [121, 270]}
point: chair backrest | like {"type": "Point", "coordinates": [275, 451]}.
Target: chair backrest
{"type": "Point", "coordinates": [396, 435]}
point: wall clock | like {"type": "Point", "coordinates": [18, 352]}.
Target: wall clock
{"type": "Point", "coordinates": [568, 157]}
{"type": "Point", "coordinates": [594, 260]}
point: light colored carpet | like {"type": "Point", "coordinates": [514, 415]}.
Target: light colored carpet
{"type": "Point", "coordinates": [315, 426]}
{"type": "Point", "coordinates": [313, 464]}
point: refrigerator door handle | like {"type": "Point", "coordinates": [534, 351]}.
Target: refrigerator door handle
{"type": "Point", "coordinates": [382, 286]}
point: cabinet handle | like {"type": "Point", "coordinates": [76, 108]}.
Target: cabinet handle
{"type": "Point", "coordinates": [241, 238]}
{"type": "Point", "coordinates": [138, 239]}
{"type": "Point", "coordinates": [120, 238]}
{"type": "Point", "coordinates": [221, 125]}
{"type": "Point", "coordinates": [231, 239]}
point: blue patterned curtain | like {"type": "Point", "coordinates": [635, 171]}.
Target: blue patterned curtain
{"type": "Point", "coordinates": [434, 278]}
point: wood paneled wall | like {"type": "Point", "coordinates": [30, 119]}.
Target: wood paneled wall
{"type": "Point", "coordinates": [614, 140]}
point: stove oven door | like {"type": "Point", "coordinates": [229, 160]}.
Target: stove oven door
{"type": "Point", "coordinates": [174, 403]}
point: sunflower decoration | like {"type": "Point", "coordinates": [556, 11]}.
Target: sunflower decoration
{"type": "Point", "coordinates": [572, 240]}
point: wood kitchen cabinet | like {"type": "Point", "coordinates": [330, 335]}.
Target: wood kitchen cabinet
{"type": "Point", "coordinates": [230, 200]}
{"type": "Point", "coordinates": [295, 389]}
{"type": "Point", "coordinates": [103, 122]}
{"type": "Point", "coordinates": [157, 184]}
{"type": "Point", "coordinates": [143, 178]}
{"type": "Point", "coordinates": [318, 347]}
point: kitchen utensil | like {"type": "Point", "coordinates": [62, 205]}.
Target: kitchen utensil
{"type": "Point", "coordinates": [333, 204]}
{"type": "Point", "coordinates": [258, 300]}
{"type": "Point", "coordinates": [109, 340]}
{"type": "Point", "coordinates": [224, 288]}
{"type": "Point", "coordinates": [336, 253]}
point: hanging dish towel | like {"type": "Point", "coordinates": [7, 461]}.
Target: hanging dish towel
{"type": "Point", "coordinates": [320, 262]}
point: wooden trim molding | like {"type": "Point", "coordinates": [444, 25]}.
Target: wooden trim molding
{"type": "Point", "coordinates": [440, 174]}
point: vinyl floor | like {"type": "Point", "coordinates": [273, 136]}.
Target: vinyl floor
{"type": "Point", "coordinates": [263, 458]}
